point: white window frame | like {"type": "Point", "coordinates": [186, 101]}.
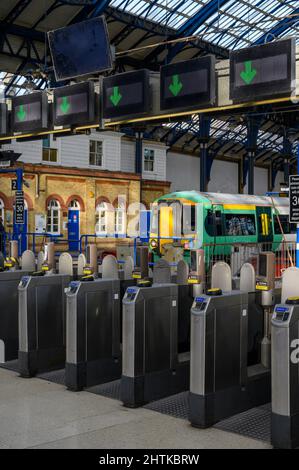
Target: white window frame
{"type": "Point", "coordinates": [53, 212]}
{"type": "Point", "coordinates": [120, 220]}
{"type": "Point", "coordinates": [74, 205]}
{"type": "Point", "coordinates": [144, 162]}
{"type": "Point", "coordinates": [49, 150]}
{"type": "Point", "coordinates": [89, 153]}
{"type": "Point", "coordinates": [101, 226]}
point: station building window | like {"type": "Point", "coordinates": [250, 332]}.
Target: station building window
{"type": "Point", "coordinates": [120, 220]}
{"type": "Point", "coordinates": [53, 217]}
{"type": "Point", "coordinates": [148, 160]}
{"type": "Point", "coordinates": [74, 205]}
{"type": "Point", "coordinates": [49, 154]}
{"type": "Point", "coordinates": [102, 218]}
{"type": "Point", "coordinates": [96, 153]}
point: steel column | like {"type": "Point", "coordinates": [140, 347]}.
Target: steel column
{"type": "Point", "coordinates": [203, 139]}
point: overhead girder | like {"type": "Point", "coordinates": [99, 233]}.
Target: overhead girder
{"type": "Point", "coordinates": [279, 28]}
{"type": "Point", "coordinates": [191, 25]}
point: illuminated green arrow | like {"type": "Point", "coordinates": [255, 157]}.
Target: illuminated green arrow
{"type": "Point", "coordinates": [65, 105]}
{"type": "Point", "coordinates": [176, 86]}
{"type": "Point", "coordinates": [249, 73]}
{"type": "Point", "coordinates": [116, 97]}
{"type": "Point", "coordinates": [21, 113]}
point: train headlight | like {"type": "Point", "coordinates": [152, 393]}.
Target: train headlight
{"type": "Point", "coordinates": [153, 244]}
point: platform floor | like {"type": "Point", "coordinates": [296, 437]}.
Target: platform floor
{"type": "Point", "coordinates": [35, 413]}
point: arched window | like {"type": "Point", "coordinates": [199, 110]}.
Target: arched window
{"type": "Point", "coordinates": [74, 205]}
{"type": "Point", "coordinates": [120, 219]}
{"type": "Point", "coordinates": [2, 210]}
{"type": "Point", "coordinates": [102, 218]}
{"type": "Point", "coordinates": [53, 217]}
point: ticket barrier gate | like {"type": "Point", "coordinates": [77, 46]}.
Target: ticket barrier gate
{"type": "Point", "coordinates": [94, 325]}
{"type": "Point", "coordinates": [93, 353]}
{"type": "Point", "coordinates": [9, 281]}
{"type": "Point", "coordinates": [152, 367]}
{"type": "Point", "coordinates": [285, 365]}
{"type": "Point", "coordinates": [229, 371]}
{"type": "Point", "coordinates": [285, 375]}
{"type": "Point", "coordinates": [221, 383]}
{"type": "Point", "coordinates": [42, 323]}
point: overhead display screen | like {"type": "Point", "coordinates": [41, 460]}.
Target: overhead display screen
{"type": "Point", "coordinates": [188, 84]}
{"type": "Point", "coordinates": [126, 94]}
{"type": "Point", "coordinates": [30, 112]}
{"type": "Point", "coordinates": [3, 119]}
{"type": "Point", "coordinates": [74, 104]}
{"type": "Point", "coordinates": [263, 71]}
{"type": "Point", "coordinates": [80, 49]}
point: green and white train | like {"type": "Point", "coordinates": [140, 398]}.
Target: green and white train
{"type": "Point", "coordinates": [192, 219]}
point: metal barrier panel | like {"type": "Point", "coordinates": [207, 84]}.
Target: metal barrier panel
{"type": "Point", "coordinates": [237, 254]}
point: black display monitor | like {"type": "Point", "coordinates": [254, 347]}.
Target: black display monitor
{"type": "Point", "coordinates": [126, 94]}
{"type": "Point", "coordinates": [80, 49]}
{"type": "Point", "coordinates": [74, 105]}
{"type": "Point", "coordinates": [262, 271]}
{"type": "Point", "coordinates": [188, 84]}
{"type": "Point", "coordinates": [3, 119]}
{"type": "Point", "coordinates": [30, 112]}
{"type": "Point", "coordinates": [263, 71]}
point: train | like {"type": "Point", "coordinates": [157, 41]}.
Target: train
{"type": "Point", "coordinates": [185, 220]}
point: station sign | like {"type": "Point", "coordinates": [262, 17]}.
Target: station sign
{"type": "Point", "coordinates": [30, 112]}
{"type": "Point", "coordinates": [20, 208]}
{"type": "Point", "coordinates": [294, 199]}
{"type": "Point", "coordinates": [263, 71]}
{"type": "Point", "coordinates": [126, 94]}
{"type": "Point", "coordinates": [74, 104]}
{"type": "Point", "coordinates": [3, 119]}
{"type": "Point", "coordinates": [188, 84]}
{"type": "Point", "coordinates": [14, 185]}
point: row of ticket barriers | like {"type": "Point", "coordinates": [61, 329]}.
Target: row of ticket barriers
{"type": "Point", "coordinates": [233, 346]}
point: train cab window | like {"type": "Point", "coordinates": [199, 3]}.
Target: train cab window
{"type": "Point", "coordinates": [189, 219]}
{"type": "Point", "coordinates": [240, 225]}
{"type": "Point", "coordinates": [213, 223]}
{"type": "Point", "coordinates": [154, 219]}
{"type": "Point", "coordinates": [176, 211]}
{"type": "Point", "coordinates": [286, 226]}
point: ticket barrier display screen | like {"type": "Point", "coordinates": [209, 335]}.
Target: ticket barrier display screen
{"type": "Point", "coordinates": [221, 383]}
{"type": "Point", "coordinates": [9, 329]}
{"type": "Point", "coordinates": [152, 366]}
{"type": "Point", "coordinates": [93, 353]}
{"type": "Point", "coordinates": [42, 323]}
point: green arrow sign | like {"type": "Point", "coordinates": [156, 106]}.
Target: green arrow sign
{"type": "Point", "coordinates": [176, 86]}
{"type": "Point", "coordinates": [249, 73]}
{"type": "Point", "coordinates": [21, 113]}
{"type": "Point", "coordinates": [116, 97]}
{"type": "Point", "coordinates": [65, 105]}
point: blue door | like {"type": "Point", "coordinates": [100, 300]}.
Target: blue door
{"type": "Point", "coordinates": [74, 229]}
{"type": "Point", "coordinates": [24, 229]}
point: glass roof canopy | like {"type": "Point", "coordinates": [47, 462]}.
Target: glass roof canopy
{"type": "Point", "coordinates": [18, 84]}
{"type": "Point", "coordinates": [233, 24]}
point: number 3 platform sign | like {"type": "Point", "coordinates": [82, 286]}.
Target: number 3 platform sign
{"type": "Point", "coordinates": [294, 199]}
